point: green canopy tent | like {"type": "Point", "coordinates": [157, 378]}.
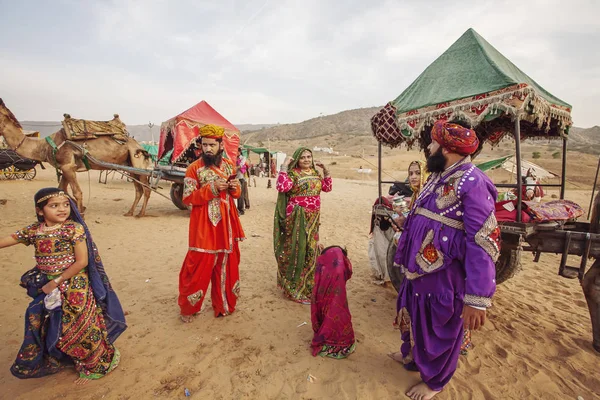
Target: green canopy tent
{"type": "Point", "coordinates": [475, 83]}
{"type": "Point", "coordinates": [257, 150]}
{"type": "Point", "coordinates": [261, 150]}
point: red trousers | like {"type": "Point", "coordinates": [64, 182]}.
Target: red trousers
{"type": "Point", "coordinates": [198, 270]}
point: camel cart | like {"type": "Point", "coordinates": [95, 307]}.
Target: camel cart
{"type": "Point", "coordinates": [177, 149]}
{"type": "Point", "coordinates": [472, 82]}
{"type": "Point", "coordinates": [13, 166]}
{"type": "Point", "coordinates": [179, 135]}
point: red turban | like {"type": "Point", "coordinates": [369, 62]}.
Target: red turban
{"type": "Point", "coordinates": [455, 138]}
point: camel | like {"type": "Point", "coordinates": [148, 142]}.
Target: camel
{"type": "Point", "coordinates": [69, 157]}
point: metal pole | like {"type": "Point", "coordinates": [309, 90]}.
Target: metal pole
{"type": "Point", "coordinates": [379, 170]}
{"type": "Point", "coordinates": [563, 178]}
{"type": "Point", "coordinates": [594, 189]}
{"type": "Point", "coordinates": [518, 162]}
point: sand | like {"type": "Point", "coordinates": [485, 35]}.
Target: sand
{"type": "Point", "coordinates": [536, 343]}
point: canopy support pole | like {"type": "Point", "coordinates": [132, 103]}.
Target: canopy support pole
{"type": "Point", "coordinates": [594, 190]}
{"type": "Point", "coordinates": [563, 178]}
{"type": "Point", "coordinates": [379, 170]}
{"type": "Point", "coordinates": [518, 162]}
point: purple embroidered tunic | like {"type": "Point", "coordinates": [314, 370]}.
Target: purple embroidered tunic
{"type": "Point", "coordinates": [448, 252]}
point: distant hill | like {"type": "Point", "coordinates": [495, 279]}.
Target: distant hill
{"type": "Point", "coordinates": [351, 127]}
{"type": "Point", "coordinates": [351, 122]}
{"type": "Point", "coordinates": [253, 127]}
{"type": "Point", "coordinates": [585, 140]}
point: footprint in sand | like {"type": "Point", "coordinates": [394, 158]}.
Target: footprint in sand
{"type": "Point", "coordinates": [501, 352]}
{"type": "Point", "coordinates": [580, 303]}
{"type": "Point", "coordinates": [169, 384]}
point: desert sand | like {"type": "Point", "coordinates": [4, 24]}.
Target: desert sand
{"type": "Point", "coordinates": [536, 343]}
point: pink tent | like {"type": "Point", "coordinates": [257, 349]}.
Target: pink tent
{"type": "Point", "coordinates": [180, 132]}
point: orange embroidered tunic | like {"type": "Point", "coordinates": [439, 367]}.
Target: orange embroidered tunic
{"type": "Point", "coordinates": [214, 222]}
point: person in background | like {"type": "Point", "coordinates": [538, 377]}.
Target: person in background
{"type": "Point", "coordinates": [243, 202]}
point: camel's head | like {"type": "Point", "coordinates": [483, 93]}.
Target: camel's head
{"type": "Point", "coordinates": [6, 116]}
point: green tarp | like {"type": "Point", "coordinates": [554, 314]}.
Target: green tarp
{"type": "Point", "coordinates": [471, 66]}
{"type": "Point", "coordinates": [257, 150]}
{"type": "Point", "coordinates": [493, 164]}
{"type": "Point", "coordinates": [152, 149]}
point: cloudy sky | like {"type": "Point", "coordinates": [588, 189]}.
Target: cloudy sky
{"type": "Point", "coordinates": [269, 61]}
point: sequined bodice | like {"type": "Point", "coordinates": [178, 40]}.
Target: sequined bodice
{"type": "Point", "coordinates": [54, 249]}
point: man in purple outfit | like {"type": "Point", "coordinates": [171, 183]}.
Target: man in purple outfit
{"type": "Point", "coordinates": [448, 249]}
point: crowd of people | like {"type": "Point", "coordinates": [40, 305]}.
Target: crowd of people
{"type": "Point", "coordinates": [447, 244]}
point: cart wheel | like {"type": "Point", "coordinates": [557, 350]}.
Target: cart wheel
{"type": "Point", "coordinates": [396, 275]}
{"type": "Point", "coordinates": [19, 174]}
{"type": "Point", "coordinates": [3, 173]}
{"type": "Point", "coordinates": [177, 196]}
{"type": "Point", "coordinates": [11, 173]}
{"type": "Point", "coordinates": [30, 174]}
{"type": "Point", "coordinates": [508, 264]}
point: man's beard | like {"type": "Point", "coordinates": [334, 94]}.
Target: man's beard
{"type": "Point", "coordinates": [436, 162]}
{"type": "Point", "coordinates": [211, 159]}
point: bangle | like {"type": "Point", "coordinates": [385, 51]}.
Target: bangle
{"type": "Point", "coordinates": [58, 279]}
{"type": "Point", "coordinates": [283, 168]}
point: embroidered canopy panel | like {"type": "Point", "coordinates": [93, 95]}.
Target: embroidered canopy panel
{"type": "Point", "coordinates": [475, 83]}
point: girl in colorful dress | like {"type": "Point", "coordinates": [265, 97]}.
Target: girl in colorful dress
{"type": "Point", "coordinates": [330, 315]}
{"type": "Point", "coordinates": [75, 316]}
{"type": "Point", "coordinates": [297, 216]}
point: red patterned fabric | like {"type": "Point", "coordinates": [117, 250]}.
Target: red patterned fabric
{"type": "Point", "coordinates": [385, 128]}
{"type": "Point", "coordinates": [556, 210]}
{"type": "Point", "coordinates": [507, 211]}
{"type": "Point", "coordinates": [330, 315]}
{"type": "Point", "coordinates": [455, 138]}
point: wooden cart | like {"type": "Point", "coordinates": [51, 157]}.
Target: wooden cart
{"type": "Point", "coordinates": [13, 166]}
{"type": "Point", "coordinates": [498, 100]}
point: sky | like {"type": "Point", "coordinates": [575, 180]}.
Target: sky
{"type": "Point", "coordinates": [267, 61]}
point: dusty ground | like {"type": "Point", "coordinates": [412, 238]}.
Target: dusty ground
{"type": "Point", "coordinates": [536, 344]}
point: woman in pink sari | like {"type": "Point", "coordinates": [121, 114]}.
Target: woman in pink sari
{"type": "Point", "coordinates": [331, 319]}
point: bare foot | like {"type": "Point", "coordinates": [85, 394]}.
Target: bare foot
{"type": "Point", "coordinates": [421, 392]}
{"type": "Point", "coordinates": [128, 214]}
{"type": "Point", "coordinates": [81, 381]}
{"type": "Point", "coordinates": [397, 356]}
{"type": "Point", "coordinates": [186, 319]}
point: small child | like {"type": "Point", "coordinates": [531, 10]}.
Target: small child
{"type": "Point", "coordinates": [75, 316]}
{"type": "Point", "coordinates": [331, 319]}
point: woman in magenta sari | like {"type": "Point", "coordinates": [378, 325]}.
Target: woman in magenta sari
{"type": "Point", "coordinates": [331, 319]}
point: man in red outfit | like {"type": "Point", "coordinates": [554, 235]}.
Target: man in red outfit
{"type": "Point", "coordinates": [213, 255]}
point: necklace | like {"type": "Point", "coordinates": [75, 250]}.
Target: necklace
{"type": "Point", "coordinates": [47, 228]}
